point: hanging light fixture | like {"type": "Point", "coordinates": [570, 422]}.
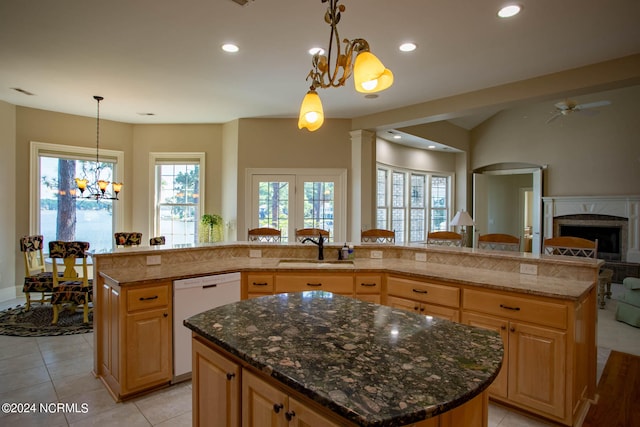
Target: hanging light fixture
{"type": "Point", "coordinates": [369, 74]}
{"type": "Point", "coordinates": [98, 190]}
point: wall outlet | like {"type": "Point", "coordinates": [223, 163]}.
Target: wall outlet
{"type": "Point", "coordinates": [421, 256]}
{"type": "Point", "coordinates": [255, 253]}
{"type": "Point", "coordinates": [376, 254]}
{"type": "Point", "coordinates": [154, 259]}
{"type": "Point", "coordinates": [529, 269]}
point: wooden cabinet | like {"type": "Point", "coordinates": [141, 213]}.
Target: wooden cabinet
{"type": "Point", "coordinates": [257, 285]}
{"type": "Point", "coordinates": [534, 371]}
{"type": "Point", "coordinates": [315, 281]}
{"type": "Point", "coordinates": [135, 336]}
{"type": "Point", "coordinates": [216, 384]}
{"type": "Point", "coordinates": [424, 297]}
{"type": "Point", "coordinates": [368, 287]}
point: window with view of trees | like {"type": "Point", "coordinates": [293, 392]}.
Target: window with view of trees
{"type": "Point", "coordinates": [57, 212]}
{"type": "Point", "coordinates": [178, 198]}
{"type": "Point", "coordinates": [415, 202]}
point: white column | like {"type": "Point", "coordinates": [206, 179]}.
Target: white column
{"type": "Point", "coordinates": [362, 183]}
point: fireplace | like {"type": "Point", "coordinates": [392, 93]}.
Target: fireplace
{"type": "Point", "coordinates": [607, 230]}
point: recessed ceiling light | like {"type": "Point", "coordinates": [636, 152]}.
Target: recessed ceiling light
{"type": "Point", "coordinates": [229, 47]}
{"type": "Point", "coordinates": [397, 137]}
{"type": "Point", "coordinates": [318, 50]}
{"type": "Point", "coordinates": [509, 10]}
{"type": "Point", "coordinates": [407, 47]}
{"type": "Point", "coordinates": [431, 147]}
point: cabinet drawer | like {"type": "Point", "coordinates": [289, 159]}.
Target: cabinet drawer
{"type": "Point", "coordinates": [147, 297]}
{"type": "Point", "coordinates": [424, 291]}
{"type": "Point", "coordinates": [518, 308]}
{"type": "Point", "coordinates": [315, 282]}
{"type": "Point", "coordinates": [368, 284]}
{"type": "Point", "coordinates": [259, 283]}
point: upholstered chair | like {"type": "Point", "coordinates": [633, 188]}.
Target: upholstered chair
{"type": "Point", "coordinates": [127, 238]}
{"type": "Point", "coordinates": [36, 279]}
{"type": "Point", "coordinates": [628, 309]}
{"type": "Point", "coordinates": [157, 241]}
{"type": "Point", "coordinates": [72, 289]}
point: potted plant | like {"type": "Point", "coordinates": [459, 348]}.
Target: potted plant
{"type": "Point", "coordinates": [210, 229]}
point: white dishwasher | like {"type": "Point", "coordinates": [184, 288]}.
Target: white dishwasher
{"type": "Point", "coordinates": [193, 296]}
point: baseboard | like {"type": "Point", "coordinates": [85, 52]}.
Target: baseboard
{"type": "Point", "coordinates": [8, 293]}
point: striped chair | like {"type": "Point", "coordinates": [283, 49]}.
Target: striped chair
{"type": "Point", "coordinates": [71, 289]}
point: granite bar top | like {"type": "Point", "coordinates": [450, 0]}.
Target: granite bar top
{"type": "Point", "coordinates": [553, 287]}
{"type": "Point", "coordinates": [371, 364]}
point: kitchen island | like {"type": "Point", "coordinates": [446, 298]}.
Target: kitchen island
{"type": "Point", "coordinates": [352, 362]}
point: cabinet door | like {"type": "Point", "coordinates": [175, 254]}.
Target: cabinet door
{"type": "Point", "coordinates": [303, 416]}
{"type": "Point", "coordinates": [216, 389]}
{"type": "Point", "coordinates": [537, 367]}
{"type": "Point", "coordinates": [262, 404]}
{"type": "Point", "coordinates": [500, 384]}
{"type": "Point", "coordinates": [108, 324]}
{"type": "Point", "coordinates": [441, 312]}
{"type": "Point", "coordinates": [148, 349]}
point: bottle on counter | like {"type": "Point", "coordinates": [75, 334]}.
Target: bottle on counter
{"type": "Point", "coordinates": [345, 251]}
{"type": "Point", "coordinates": [351, 253]}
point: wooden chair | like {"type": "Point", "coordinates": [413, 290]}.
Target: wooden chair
{"type": "Point", "coordinates": [157, 241]}
{"type": "Point", "coordinates": [303, 233]}
{"type": "Point", "coordinates": [444, 238]}
{"type": "Point", "coordinates": [36, 279]}
{"type": "Point", "coordinates": [264, 234]}
{"type": "Point", "coordinates": [499, 242]}
{"type": "Point", "coordinates": [127, 238]}
{"type": "Point", "coordinates": [378, 235]}
{"type": "Point", "coordinates": [70, 288]}
{"type": "Point", "coordinates": [577, 246]}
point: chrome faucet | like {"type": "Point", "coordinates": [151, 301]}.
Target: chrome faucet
{"type": "Point", "coordinates": [319, 243]}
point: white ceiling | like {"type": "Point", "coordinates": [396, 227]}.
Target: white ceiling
{"type": "Point", "coordinates": [163, 56]}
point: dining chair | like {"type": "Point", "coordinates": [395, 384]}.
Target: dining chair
{"type": "Point", "coordinates": [377, 235]}
{"type": "Point", "coordinates": [71, 288]}
{"type": "Point", "coordinates": [127, 238]}
{"type": "Point", "coordinates": [264, 234]}
{"type": "Point", "coordinates": [157, 241]}
{"type": "Point", "coordinates": [36, 279]}
{"type": "Point", "coordinates": [444, 238]}
{"type": "Point", "coordinates": [499, 242]}
{"type": "Point", "coordinates": [579, 247]}
{"type": "Point", "coordinates": [303, 233]}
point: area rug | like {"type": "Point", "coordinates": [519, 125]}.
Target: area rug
{"type": "Point", "coordinates": [36, 322]}
{"type": "Point", "coordinates": [619, 393]}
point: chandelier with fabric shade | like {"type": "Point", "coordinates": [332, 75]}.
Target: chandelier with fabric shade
{"type": "Point", "coordinates": [98, 189]}
{"type": "Point", "coordinates": [333, 70]}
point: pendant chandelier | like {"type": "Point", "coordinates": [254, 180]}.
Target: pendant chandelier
{"type": "Point", "coordinates": [369, 74]}
{"type": "Point", "coordinates": [98, 190]}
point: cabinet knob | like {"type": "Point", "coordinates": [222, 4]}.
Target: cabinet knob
{"type": "Point", "coordinates": [230, 375]}
{"type": "Point", "coordinates": [503, 327]}
{"type": "Point", "coordinates": [421, 308]}
{"type": "Point", "coordinates": [289, 415]}
{"type": "Point", "coordinates": [165, 314]}
{"type": "Point", "coordinates": [512, 329]}
{"type": "Point", "coordinates": [277, 407]}
{"type": "Point", "coordinates": [416, 308]}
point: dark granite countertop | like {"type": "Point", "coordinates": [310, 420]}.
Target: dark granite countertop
{"type": "Point", "coordinates": [372, 364]}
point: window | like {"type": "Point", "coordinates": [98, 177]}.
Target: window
{"type": "Point", "coordinates": [55, 211]}
{"type": "Point", "coordinates": [178, 179]}
{"type": "Point", "coordinates": [295, 199]}
{"type": "Point", "coordinates": [420, 202]}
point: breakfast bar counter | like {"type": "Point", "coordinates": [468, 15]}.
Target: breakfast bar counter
{"type": "Point", "coordinates": [370, 364]}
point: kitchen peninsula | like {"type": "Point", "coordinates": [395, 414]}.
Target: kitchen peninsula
{"type": "Point", "coordinates": [346, 360]}
{"type": "Point", "coordinates": [546, 318]}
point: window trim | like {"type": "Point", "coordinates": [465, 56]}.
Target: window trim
{"type": "Point", "coordinates": [156, 158]}
{"type": "Point", "coordinates": [69, 151]}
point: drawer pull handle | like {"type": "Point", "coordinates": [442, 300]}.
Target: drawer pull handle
{"type": "Point", "coordinates": [509, 308]}
{"type": "Point", "coordinates": [420, 291]}
{"type": "Point", "coordinates": [230, 375]}
{"type": "Point", "coordinates": [277, 407]}
{"type": "Point", "coordinates": [368, 285]}
{"type": "Point", "coordinates": [289, 415]}
{"type": "Point", "coordinates": [148, 298]}
{"type": "Point", "coordinates": [213, 285]}
{"type": "Point", "coordinates": [260, 284]}
{"type": "Point", "coordinates": [314, 284]}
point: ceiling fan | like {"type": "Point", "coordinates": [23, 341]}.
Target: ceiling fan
{"type": "Point", "coordinates": [564, 108]}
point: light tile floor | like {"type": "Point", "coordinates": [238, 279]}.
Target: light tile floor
{"type": "Point", "coordinates": [58, 369]}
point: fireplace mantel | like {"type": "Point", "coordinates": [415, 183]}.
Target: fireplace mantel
{"type": "Point", "coordinates": [621, 206]}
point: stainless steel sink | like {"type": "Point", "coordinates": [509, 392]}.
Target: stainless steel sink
{"type": "Point", "coordinates": [303, 263]}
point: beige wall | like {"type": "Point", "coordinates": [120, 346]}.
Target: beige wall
{"type": "Point", "coordinates": [11, 267]}
{"type": "Point", "coordinates": [586, 154]}
{"type": "Point", "coordinates": [413, 158]}
{"type": "Point", "coordinates": [278, 143]}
